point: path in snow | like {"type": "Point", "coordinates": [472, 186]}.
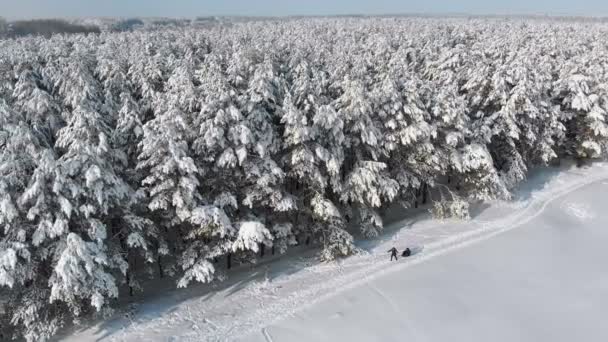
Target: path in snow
{"type": "Point", "coordinates": [282, 289]}
{"type": "Point", "coordinates": [548, 282]}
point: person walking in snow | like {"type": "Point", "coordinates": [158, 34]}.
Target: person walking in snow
{"type": "Point", "coordinates": [393, 252]}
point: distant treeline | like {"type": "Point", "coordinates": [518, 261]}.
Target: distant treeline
{"type": "Point", "coordinates": [3, 26]}
{"type": "Point", "coordinates": [127, 24]}
{"type": "Point", "coordinates": [43, 27]}
{"type": "Point", "coordinates": [49, 27]}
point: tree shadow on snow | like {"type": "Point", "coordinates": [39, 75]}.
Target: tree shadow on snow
{"type": "Point", "coordinates": [397, 219]}
{"type": "Point", "coordinates": [165, 298]}
{"type": "Point", "coordinates": [476, 209]}
{"type": "Point", "coordinates": [416, 250]}
{"type": "Point", "coordinates": [538, 179]}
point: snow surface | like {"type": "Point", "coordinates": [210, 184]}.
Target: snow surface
{"type": "Point", "coordinates": [547, 282]}
{"type": "Point", "coordinates": [544, 282]}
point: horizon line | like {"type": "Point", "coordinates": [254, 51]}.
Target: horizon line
{"type": "Point", "coordinates": [345, 15]}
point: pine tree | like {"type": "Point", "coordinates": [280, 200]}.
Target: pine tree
{"type": "Point", "coordinates": [158, 153]}
{"type": "Point", "coordinates": [40, 110]}
{"type": "Point", "coordinates": [583, 107]}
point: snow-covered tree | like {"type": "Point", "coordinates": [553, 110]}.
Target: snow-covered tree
{"type": "Point", "coordinates": [162, 152]}
{"type": "Point", "coordinates": [171, 182]}
{"type": "Point", "coordinates": [81, 272]}
{"type": "Point", "coordinates": [584, 109]}
{"type": "Point", "coordinates": [37, 105]}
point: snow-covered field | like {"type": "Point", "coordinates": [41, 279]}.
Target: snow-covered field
{"type": "Point", "coordinates": [545, 281]}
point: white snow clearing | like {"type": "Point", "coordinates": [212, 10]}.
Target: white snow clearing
{"type": "Point", "coordinates": [533, 284]}
{"type": "Point", "coordinates": [547, 282]}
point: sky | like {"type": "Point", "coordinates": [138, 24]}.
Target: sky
{"type": "Point", "coordinates": [19, 9]}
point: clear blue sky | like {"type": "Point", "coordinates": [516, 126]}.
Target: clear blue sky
{"type": "Point", "coordinates": [190, 8]}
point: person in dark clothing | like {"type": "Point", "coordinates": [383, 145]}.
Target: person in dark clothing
{"type": "Point", "coordinates": [393, 252]}
{"type": "Point", "coordinates": [406, 253]}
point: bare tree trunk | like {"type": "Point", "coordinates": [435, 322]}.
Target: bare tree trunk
{"type": "Point", "coordinates": [128, 275]}
{"type": "Point", "coordinates": [272, 249]}
{"type": "Point", "coordinates": [262, 249]}
{"type": "Point", "coordinates": [160, 267]}
{"type": "Point", "coordinates": [425, 190]}
{"type": "Point", "coordinates": [229, 260]}
{"type": "Point", "coordinates": [129, 282]}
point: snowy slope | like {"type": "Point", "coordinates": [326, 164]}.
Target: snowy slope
{"type": "Point", "coordinates": [300, 299]}
{"type": "Point", "coordinates": [547, 282]}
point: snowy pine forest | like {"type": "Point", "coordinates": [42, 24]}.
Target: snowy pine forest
{"type": "Point", "coordinates": [179, 152]}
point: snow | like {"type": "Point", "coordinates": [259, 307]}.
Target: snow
{"type": "Point", "coordinates": [544, 282]}
{"type": "Point", "coordinates": [8, 261]}
{"type": "Point", "coordinates": [539, 282]}
{"type": "Point", "coordinates": [251, 234]}
{"type": "Point", "coordinates": [321, 123]}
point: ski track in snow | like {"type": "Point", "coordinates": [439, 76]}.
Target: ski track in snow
{"type": "Point", "coordinates": [386, 299]}
{"type": "Point", "coordinates": [578, 210]}
{"type": "Point", "coordinates": [264, 302]}
{"type": "Point", "coordinates": [267, 335]}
